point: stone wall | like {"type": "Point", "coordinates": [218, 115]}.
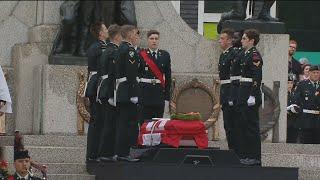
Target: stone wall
{"type": "Point", "coordinates": [31, 27]}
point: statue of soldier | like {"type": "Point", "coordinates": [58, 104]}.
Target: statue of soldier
{"type": "Point", "coordinates": [68, 31]}
{"type": "Point", "coordinates": [74, 36]}
{"type": "Point", "coordinates": [260, 11]}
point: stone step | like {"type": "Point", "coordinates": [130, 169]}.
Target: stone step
{"type": "Point", "coordinates": [313, 174]}
{"type": "Point", "coordinates": [303, 161]}
{"type": "Point", "coordinates": [281, 148]}
{"type": "Point", "coordinates": [71, 177]}
{"type": "Point", "coordinates": [50, 154]}
{"type": "Point", "coordinates": [55, 140]}
{"type": "Point", "coordinates": [284, 148]}
{"type": "Point", "coordinates": [66, 168]}
{"type": "Point", "coordinates": [6, 140]}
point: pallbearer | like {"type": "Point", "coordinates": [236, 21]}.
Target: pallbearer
{"type": "Point", "coordinates": [100, 32]}
{"type": "Point", "coordinates": [127, 92]}
{"type": "Point", "coordinates": [226, 100]}
{"type": "Point", "coordinates": [250, 99]}
{"type": "Point", "coordinates": [105, 93]}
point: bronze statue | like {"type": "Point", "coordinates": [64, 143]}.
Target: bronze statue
{"type": "Point", "coordinates": [260, 11]}
{"type": "Point", "coordinates": [77, 16]}
{"type": "Point", "coordinates": [68, 30]}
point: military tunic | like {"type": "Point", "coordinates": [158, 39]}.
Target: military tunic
{"type": "Point", "coordinates": [307, 97]}
{"type": "Point", "coordinates": [249, 141]}
{"type": "Point", "coordinates": [225, 64]}
{"type": "Point", "coordinates": [153, 94]}
{"type": "Point", "coordinates": [127, 74]}
{"type": "Point", "coordinates": [105, 92]}
{"type": "Point", "coordinates": [96, 109]}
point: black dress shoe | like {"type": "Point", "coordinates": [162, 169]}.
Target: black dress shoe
{"type": "Point", "coordinates": [92, 160]}
{"type": "Point", "coordinates": [107, 159]}
{"type": "Point", "coordinates": [250, 162]}
{"type": "Point", "coordinates": [127, 158]}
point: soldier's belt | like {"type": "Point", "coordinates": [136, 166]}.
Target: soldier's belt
{"type": "Point", "coordinates": [233, 78]}
{"type": "Point", "coordinates": [98, 89]}
{"type": "Point", "coordinates": [310, 111]}
{"type": "Point", "coordinates": [120, 80]}
{"type": "Point", "coordinates": [91, 73]}
{"type": "Point", "coordinates": [150, 81]}
{"type": "Point", "coordinates": [246, 79]}
{"type": "Point", "coordinates": [104, 77]}
{"type": "Point", "coordinates": [226, 81]}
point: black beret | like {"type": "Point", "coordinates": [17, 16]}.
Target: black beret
{"type": "Point", "coordinates": [314, 68]}
{"type": "Point", "coordinates": [21, 154]}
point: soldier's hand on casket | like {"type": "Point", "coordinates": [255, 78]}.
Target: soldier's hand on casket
{"type": "Point", "coordinates": [251, 101]}
{"type": "Point", "coordinates": [111, 102]}
{"type": "Point", "coordinates": [134, 100]}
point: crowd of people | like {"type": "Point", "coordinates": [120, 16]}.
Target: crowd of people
{"type": "Point", "coordinates": [126, 85]}
{"type": "Point", "coordinates": [303, 111]}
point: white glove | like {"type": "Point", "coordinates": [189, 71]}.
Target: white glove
{"type": "Point", "coordinates": [111, 101]}
{"type": "Point", "coordinates": [230, 103]}
{"type": "Point", "coordinates": [292, 109]}
{"type": "Point", "coordinates": [251, 101]}
{"type": "Point", "coordinates": [134, 100]}
{"type": "Point", "coordinates": [289, 107]}
{"type": "Point", "coordinates": [166, 113]}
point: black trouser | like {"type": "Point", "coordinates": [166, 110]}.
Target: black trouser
{"type": "Point", "coordinates": [126, 126]}
{"type": "Point", "coordinates": [292, 131]}
{"type": "Point", "coordinates": [95, 128]}
{"type": "Point", "coordinates": [229, 115]}
{"type": "Point", "coordinates": [107, 141]}
{"type": "Point", "coordinates": [248, 132]}
{"type": "Point", "coordinates": [149, 112]}
{"type": "Point", "coordinates": [309, 136]}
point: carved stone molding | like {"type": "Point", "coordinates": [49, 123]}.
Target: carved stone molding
{"type": "Point", "coordinates": [269, 116]}
{"type": "Point", "coordinates": [196, 84]}
{"type": "Point", "coordinates": [82, 104]}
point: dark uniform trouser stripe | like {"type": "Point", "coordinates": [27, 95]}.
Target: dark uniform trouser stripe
{"type": "Point", "coordinates": [95, 128]}
{"type": "Point", "coordinates": [248, 132]}
{"type": "Point", "coordinates": [229, 115]}
{"type": "Point", "coordinates": [126, 127]}
{"type": "Point", "coordinates": [108, 135]}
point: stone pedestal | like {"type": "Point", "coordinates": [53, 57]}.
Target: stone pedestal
{"type": "Point", "coordinates": [55, 108]}
{"type": "Point", "coordinates": [262, 26]}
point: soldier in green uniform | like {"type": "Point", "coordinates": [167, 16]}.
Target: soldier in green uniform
{"type": "Point", "coordinates": [249, 100]}
{"type": "Point", "coordinates": [306, 103]}
{"type": "Point", "coordinates": [105, 93]}
{"type": "Point", "coordinates": [225, 63]}
{"type": "Point", "coordinates": [292, 132]}
{"type": "Point", "coordinates": [155, 80]}
{"type": "Point", "coordinates": [100, 32]}
{"type": "Point", "coordinates": [127, 91]}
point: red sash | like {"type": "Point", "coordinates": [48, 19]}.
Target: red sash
{"type": "Point", "coordinates": [11, 178]}
{"type": "Point", "coordinates": [154, 68]}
